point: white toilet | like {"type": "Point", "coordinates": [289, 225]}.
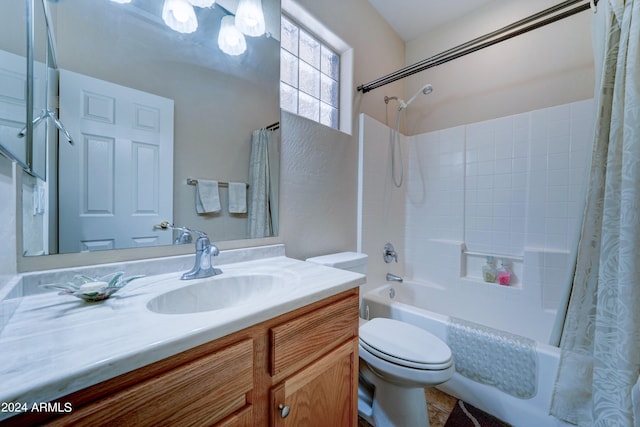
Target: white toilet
{"type": "Point", "coordinates": [397, 361]}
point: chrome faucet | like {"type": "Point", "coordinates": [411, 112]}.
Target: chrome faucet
{"type": "Point", "coordinates": [203, 266]}
{"type": "Point", "coordinates": [204, 251]}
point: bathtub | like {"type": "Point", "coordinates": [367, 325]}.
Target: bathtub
{"type": "Point", "coordinates": [409, 302]}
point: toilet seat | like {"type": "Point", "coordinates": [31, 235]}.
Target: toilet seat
{"type": "Point", "coordinates": [404, 344]}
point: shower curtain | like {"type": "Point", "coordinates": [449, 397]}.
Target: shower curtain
{"type": "Point", "coordinates": [600, 345]}
{"type": "Point", "coordinates": [261, 192]}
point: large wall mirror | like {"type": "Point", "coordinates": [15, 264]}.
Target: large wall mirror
{"type": "Point", "coordinates": [147, 112]}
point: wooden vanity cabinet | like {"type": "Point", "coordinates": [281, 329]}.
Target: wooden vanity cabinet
{"type": "Point", "coordinates": [182, 396]}
{"type": "Point", "coordinates": [315, 381]}
{"type": "Point", "coordinates": [298, 369]}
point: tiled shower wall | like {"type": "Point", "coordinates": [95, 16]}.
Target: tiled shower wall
{"type": "Point", "coordinates": [512, 186]}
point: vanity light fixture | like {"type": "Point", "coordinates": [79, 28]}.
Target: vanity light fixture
{"type": "Point", "coordinates": [230, 40]}
{"type": "Point", "coordinates": [201, 3]}
{"type": "Point", "coordinates": [249, 17]}
{"type": "Point", "coordinates": [121, 1]}
{"type": "Point", "coordinates": [179, 16]}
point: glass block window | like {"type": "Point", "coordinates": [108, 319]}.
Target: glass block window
{"type": "Point", "coordinates": [309, 75]}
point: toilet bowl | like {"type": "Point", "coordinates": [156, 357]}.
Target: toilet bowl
{"type": "Point", "coordinates": [397, 362]}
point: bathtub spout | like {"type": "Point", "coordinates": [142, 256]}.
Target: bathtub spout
{"type": "Point", "coordinates": [393, 278]}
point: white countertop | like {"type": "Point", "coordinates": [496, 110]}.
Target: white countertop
{"type": "Point", "coordinates": [54, 344]}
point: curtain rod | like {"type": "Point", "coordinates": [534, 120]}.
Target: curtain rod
{"type": "Point", "coordinates": [485, 41]}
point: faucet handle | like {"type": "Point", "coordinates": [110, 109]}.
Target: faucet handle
{"type": "Point", "coordinates": [213, 250]}
{"type": "Point", "coordinates": [389, 253]}
{"type": "Point", "coordinates": [200, 234]}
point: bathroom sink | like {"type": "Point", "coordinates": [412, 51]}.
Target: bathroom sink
{"type": "Point", "coordinates": [216, 293]}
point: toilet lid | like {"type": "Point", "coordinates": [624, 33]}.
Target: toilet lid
{"type": "Point", "coordinates": [404, 344]}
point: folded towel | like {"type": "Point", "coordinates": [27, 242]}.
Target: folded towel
{"type": "Point", "coordinates": [207, 197]}
{"type": "Point", "coordinates": [237, 197]}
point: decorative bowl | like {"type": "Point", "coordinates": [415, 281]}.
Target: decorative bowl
{"type": "Point", "coordinates": [92, 289]}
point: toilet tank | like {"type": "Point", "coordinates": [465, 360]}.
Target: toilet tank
{"type": "Point", "coordinates": [352, 261]}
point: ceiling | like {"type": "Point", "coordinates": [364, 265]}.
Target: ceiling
{"type": "Point", "coordinates": [411, 18]}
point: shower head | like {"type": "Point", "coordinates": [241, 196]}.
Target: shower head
{"type": "Point", "coordinates": [425, 90]}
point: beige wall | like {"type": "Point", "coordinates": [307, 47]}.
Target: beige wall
{"type": "Point", "coordinates": [318, 188]}
{"type": "Point", "coordinates": [549, 66]}
{"type": "Point", "coordinates": [320, 165]}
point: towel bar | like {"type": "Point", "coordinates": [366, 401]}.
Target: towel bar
{"type": "Point", "coordinates": [193, 181]}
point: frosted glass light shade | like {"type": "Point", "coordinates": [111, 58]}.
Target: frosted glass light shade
{"type": "Point", "coordinates": [249, 17]}
{"type": "Point", "coordinates": [179, 16]}
{"type": "Point", "coordinates": [121, 1]}
{"type": "Point", "coordinates": [201, 3]}
{"type": "Point", "coordinates": [230, 40]}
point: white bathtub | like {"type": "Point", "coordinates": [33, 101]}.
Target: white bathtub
{"type": "Point", "coordinates": [411, 304]}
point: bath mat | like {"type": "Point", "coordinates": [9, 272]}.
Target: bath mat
{"type": "Point", "coordinates": [493, 357]}
{"type": "Point", "coordinates": [465, 415]}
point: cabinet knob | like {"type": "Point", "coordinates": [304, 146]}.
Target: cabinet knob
{"type": "Point", "coordinates": [284, 410]}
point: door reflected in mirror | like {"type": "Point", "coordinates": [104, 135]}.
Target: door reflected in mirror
{"type": "Point", "coordinates": [147, 108]}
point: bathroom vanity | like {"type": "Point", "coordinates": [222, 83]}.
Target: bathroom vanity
{"type": "Point", "coordinates": [288, 358]}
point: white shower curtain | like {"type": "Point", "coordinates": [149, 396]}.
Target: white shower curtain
{"type": "Point", "coordinates": [600, 346]}
{"type": "Point", "coordinates": [260, 224]}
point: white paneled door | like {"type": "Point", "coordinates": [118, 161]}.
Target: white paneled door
{"type": "Point", "coordinates": [116, 180]}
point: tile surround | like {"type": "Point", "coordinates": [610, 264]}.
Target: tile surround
{"type": "Point", "coordinates": [519, 190]}
{"type": "Point", "coordinates": [513, 185]}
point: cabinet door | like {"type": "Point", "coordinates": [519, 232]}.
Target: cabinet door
{"type": "Point", "coordinates": [323, 394]}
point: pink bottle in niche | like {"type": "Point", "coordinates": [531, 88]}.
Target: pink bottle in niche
{"type": "Point", "coordinates": [504, 274]}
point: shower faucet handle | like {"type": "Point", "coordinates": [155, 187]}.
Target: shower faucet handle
{"type": "Point", "coordinates": [389, 253]}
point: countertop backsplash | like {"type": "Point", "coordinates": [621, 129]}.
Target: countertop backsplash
{"type": "Point", "coordinates": [29, 283]}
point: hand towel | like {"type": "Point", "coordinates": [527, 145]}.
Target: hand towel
{"type": "Point", "coordinates": [237, 197]}
{"type": "Point", "coordinates": [207, 197]}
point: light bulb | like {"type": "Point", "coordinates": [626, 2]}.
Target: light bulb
{"type": "Point", "coordinates": [230, 40]}
{"type": "Point", "coordinates": [179, 16]}
{"type": "Point", "coordinates": [249, 17]}
{"type": "Point", "coordinates": [202, 3]}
